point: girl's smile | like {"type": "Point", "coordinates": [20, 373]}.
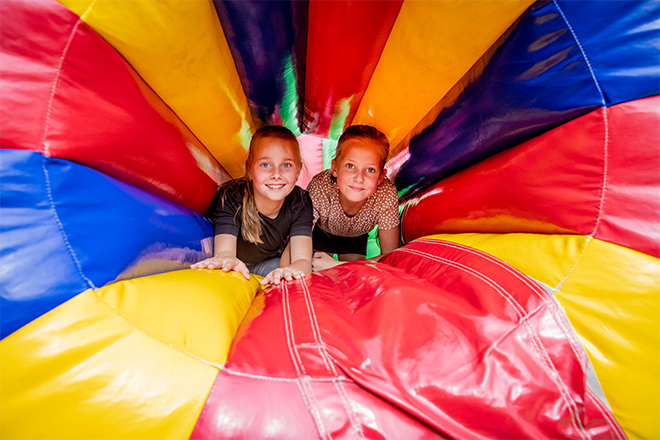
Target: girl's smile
{"type": "Point", "coordinates": [358, 172]}
{"type": "Point", "coordinates": [273, 173]}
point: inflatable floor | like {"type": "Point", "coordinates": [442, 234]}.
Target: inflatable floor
{"type": "Point", "coordinates": [524, 302]}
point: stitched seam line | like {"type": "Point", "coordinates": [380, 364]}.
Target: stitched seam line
{"type": "Point", "coordinates": [305, 385]}
{"type": "Point", "coordinates": [550, 368]}
{"type": "Point", "coordinates": [605, 120]}
{"type": "Point", "coordinates": [154, 338]}
{"type": "Point", "coordinates": [297, 363]}
{"type": "Point", "coordinates": [60, 226]}
{"type": "Point", "coordinates": [316, 332]}
{"type": "Point", "coordinates": [518, 309]}
{"type": "Point", "coordinates": [53, 87]}
{"type": "Point", "coordinates": [556, 378]}
{"type": "Point", "coordinates": [343, 395]}
{"type": "Point", "coordinates": [609, 417]}
{"type": "Point", "coordinates": [551, 303]}
{"type": "Point", "coordinates": [309, 407]}
{"type": "Point", "coordinates": [588, 239]}
{"type": "Point", "coordinates": [316, 413]}
{"type": "Point", "coordinates": [276, 379]}
{"type": "Point", "coordinates": [346, 402]}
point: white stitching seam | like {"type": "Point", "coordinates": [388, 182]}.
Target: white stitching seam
{"type": "Point", "coordinates": [276, 379]}
{"type": "Point", "coordinates": [567, 398]}
{"type": "Point", "coordinates": [605, 120]}
{"type": "Point", "coordinates": [60, 226]}
{"type": "Point", "coordinates": [303, 380]}
{"type": "Point", "coordinates": [559, 317]}
{"type": "Point", "coordinates": [608, 416]}
{"type": "Point", "coordinates": [288, 328]}
{"type": "Point", "coordinates": [343, 395]}
{"type": "Point", "coordinates": [56, 81]}
{"type": "Point", "coordinates": [605, 143]}
{"type": "Point", "coordinates": [316, 332]}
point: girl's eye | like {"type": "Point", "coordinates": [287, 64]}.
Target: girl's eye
{"type": "Point", "coordinates": [350, 166]}
{"type": "Point", "coordinates": [286, 165]}
{"type": "Point", "coordinates": [371, 170]}
{"type": "Point", "coordinates": [264, 165]}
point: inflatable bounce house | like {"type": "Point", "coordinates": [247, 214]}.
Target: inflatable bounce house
{"type": "Point", "coordinates": [523, 303]}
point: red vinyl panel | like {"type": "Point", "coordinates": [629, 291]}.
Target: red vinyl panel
{"type": "Point", "coordinates": [631, 208]}
{"type": "Point", "coordinates": [74, 97]}
{"type": "Point", "coordinates": [344, 42]}
{"type": "Point", "coordinates": [440, 340]}
{"type": "Point", "coordinates": [554, 184]}
{"type": "Point", "coordinates": [32, 38]}
{"type": "Point", "coordinates": [550, 184]}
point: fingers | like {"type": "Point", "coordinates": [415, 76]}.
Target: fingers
{"type": "Point", "coordinates": [242, 268]}
{"type": "Point", "coordinates": [225, 264]}
{"type": "Point", "coordinates": [236, 265]}
{"type": "Point", "coordinates": [204, 264]}
{"type": "Point", "coordinates": [288, 274]}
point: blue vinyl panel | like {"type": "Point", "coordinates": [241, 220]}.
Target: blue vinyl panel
{"type": "Point", "coordinates": [66, 228]}
{"type": "Point", "coordinates": [537, 80]}
{"type": "Point", "coordinates": [268, 43]}
{"type": "Point", "coordinates": [621, 39]}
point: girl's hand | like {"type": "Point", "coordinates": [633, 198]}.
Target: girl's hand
{"type": "Point", "coordinates": [286, 273]}
{"type": "Point", "coordinates": [224, 263]}
{"type": "Point", "coordinates": [321, 261]}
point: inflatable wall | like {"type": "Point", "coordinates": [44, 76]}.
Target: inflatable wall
{"type": "Point", "coordinates": [525, 146]}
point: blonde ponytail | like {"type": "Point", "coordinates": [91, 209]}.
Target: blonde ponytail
{"type": "Point", "coordinates": [250, 220]}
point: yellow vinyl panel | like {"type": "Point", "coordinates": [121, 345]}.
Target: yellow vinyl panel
{"type": "Point", "coordinates": [197, 311]}
{"type": "Point", "coordinates": [545, 258]}
{"type": "Point", "coordinates": [178, 47]}
{"type": "Point", "coordinates": [82, 371]}
{"type": "Point", "coordinates": [431, 46]}
{"type": "Point", "coordinates": [612, 298]}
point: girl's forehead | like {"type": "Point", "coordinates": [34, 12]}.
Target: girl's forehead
{"type": "Point", "coordinates": [362, 147]}
{"type": "Point", "coordinates": [268, 147]}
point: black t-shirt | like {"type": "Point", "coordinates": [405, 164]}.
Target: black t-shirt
{"type": "Point", "coordinates": [295, 218]}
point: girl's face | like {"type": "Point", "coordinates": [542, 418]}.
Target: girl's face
{"type": "Point", "coordinates": [358, 171]}
{"type": "Point", "coordinates": [273, 171]}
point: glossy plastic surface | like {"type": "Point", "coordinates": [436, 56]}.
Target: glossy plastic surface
{"type": "Point", "coordinates": [344, 42]}
{"type": "Point", "coordinates": [450, 336]}
{"type": "Point", "coordinates": [577, 178]}
{"type": "Point", "coordinates": [132, 360]}
{"type": "Point", "coordinates": [180, 50]}
{"type": "Point", "coordinates": [66, 228]}
{"type": "Point", "coordinates": [541, 77]}
{"type": "Point", "coordinates": [96, 110]}
{"type": "Point", "coordinates": [268, 41]}
{"type": "Point", "coordinates": [601, 286]}
{"type": "Point", "coordinates": [419, 65]}
{"type": "Point", "coordinates": [425, 349]}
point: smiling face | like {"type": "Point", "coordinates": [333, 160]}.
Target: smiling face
{"type": "Point", "coordinates": [273, 172]}
{"type": "Point", "coordinates": [359, 171]}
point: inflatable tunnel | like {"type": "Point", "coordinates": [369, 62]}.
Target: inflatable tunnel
{"type": "Point", "coordinates": [523, 303]}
